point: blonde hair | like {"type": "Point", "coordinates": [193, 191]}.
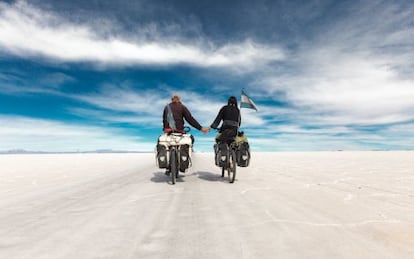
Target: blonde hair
{"type": "Point", "coordinates": [175, 98]}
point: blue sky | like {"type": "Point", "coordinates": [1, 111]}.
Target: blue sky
{"type": "Point", "coordinates": [88, 75]}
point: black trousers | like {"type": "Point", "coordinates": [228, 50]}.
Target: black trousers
{"type": "Point", "coordinates": [227, 135]}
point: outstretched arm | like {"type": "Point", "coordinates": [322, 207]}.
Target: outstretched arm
{"type": "Point", "coordinates": [190, 119]}
{"type": "Point", "coordinates": [193, 122]}
{"type": "Point", "coordinates": [218, 119]}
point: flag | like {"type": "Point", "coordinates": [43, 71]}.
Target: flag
{"type": "Point", "coordinates": [247, 102]}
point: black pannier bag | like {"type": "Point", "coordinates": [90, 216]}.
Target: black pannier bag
{"type": "Point", "coordinates": [162, 159]}
{"type": "Point", "coordinates": [243, 154]}
{"type": "Point", "coordinates": [221, 154]}
{"type": "Point", "coordinates": [184, 157]}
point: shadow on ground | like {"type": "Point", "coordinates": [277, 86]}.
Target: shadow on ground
{"type": "Point", "coordinates": [160, 177]}
{"type": "Point", "coordinates": [209, 176]}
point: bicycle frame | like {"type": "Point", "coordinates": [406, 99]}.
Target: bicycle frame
{"type": "Point", "coordinates": [173, 142]}
{"type": "Point", "coordinates": [231, 164]}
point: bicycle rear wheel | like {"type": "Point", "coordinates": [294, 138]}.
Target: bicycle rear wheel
{"type": "Point", "coordinates": [232, 166]}
{"type": "Point", "coordinates": [173, 165]}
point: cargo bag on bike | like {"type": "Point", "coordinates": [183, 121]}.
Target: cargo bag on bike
{"type": "Point", "coordinates": [221, 154]}
{"type": "Point", "coordinates": [243, 154]}
{"type": "Point", "coordinates": [162, 159]}
{"type": "Point", "coordinates": [184, 157]}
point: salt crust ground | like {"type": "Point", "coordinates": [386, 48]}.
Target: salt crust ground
{"type": "Point", "coordinates": [285, 205]}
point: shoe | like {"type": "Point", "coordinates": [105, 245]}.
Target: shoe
{"type": "Point", "coordinates": [167, 173]}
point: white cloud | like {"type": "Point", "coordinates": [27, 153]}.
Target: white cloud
{"type": "Point", "coordinates": [334, 99]}
{"type": "Point", "coordinates": [119, 98]}
{"type": "Point", "coordinates": [355, 72]}
{"type": "Point", "coordinates": [250, 118]}
{"type": "Point", "coordinates": [14, 81]}
{"type": "Point", "coordinates": [366, 90]}
{"type": "Point", "coordinates": [120, 104]}
{"type": "Point", "coordinates": [108, 117]}
{"type": "Point", "coordinates": [47, 135]}
{"type": "Point", "coordinates": [145, 105]}
{"type": "Point", "coordinates": [28, 31]}
{"type": "Point", "coordinates": [55, 80]}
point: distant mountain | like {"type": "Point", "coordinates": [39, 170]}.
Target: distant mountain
{"type": "Point", "coordinates": [20, 151]}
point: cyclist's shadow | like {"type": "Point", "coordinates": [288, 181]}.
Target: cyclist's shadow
{"type": "Point", "coordinates": [160, 177]}
{"type": "Point", "coordinates": [209, 176]}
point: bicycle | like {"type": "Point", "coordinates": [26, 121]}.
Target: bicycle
{"type": "Point", "coordinates": [228, 160]}
{"type": "Point", "coordinates": [174, 142]}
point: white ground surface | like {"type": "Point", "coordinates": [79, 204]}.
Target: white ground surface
{"type": "Point", "coordinates": [285, 205]}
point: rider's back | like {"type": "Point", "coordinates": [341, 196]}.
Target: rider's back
{"type": "Point", "coordinates": [179, 112]}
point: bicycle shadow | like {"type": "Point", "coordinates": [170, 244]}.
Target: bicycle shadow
{"type": "Point", "coordinates": [209, 176]}
{"type": "Point", "coordinates": [160, 177]}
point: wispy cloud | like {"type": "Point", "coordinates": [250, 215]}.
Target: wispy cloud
{"type": "Point", "coordinates": [108, 117]}
{"type": "Point", "coordinates": [15, 81]}
{"type": "Point", "coordinates": [28, 31]}
{"type": "Point", "coordinates": [355, 72]}
{"type": "Point", "coordinates": [124, 99]}
{"type": "Point", "coordinates": [114, 104]}
{"type": "Point", "coordinates": [119, 104]}
{"type": "Point", "coordinates": [48, 135]}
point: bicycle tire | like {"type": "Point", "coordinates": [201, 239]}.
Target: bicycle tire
{"type": "Point", "coordinates": [232, 166]}
{"type": "Point", "coordinates": [173, 165]}
{"type": "Point", "coordinates": [223, 170]}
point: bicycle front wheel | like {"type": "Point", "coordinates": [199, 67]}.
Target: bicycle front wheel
{"type": "Point", "coordinates": [232, 166]}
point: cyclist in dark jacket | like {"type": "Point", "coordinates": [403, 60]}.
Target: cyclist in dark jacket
{"type": "Point", "coordinates": [230, 115]}
{"type": "Point", "coordinates": [174, 115]}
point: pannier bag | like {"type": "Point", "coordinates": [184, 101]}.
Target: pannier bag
{"type": "Point", "coordinates": [243, 150]}
{"type": "Point", "coordinates": [184, 157]}
{"type": "Point", "coordinates": [184, 142]}
{"type": "Point", "coordinates": [243, 154]}
{"type": "Point", "coordinates": [221, 154]}
{"type": "Point", "coordinates": [162, 159]}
